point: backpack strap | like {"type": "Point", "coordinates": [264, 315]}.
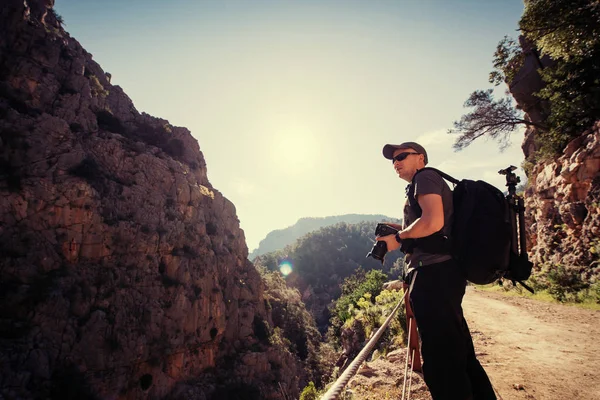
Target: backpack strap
{"type": "Point", "coordinates": [442, 174]}
{"type": "Point", "coordinates": [436, 242]}
{"type": "Point", "coordinates": [410, 192]}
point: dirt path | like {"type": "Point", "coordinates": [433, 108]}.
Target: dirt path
{"type": "Point", "coordinates": [535, 350]}
{"type": "Point", "coordinates": [530, 349]}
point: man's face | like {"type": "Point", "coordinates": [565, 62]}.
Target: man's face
{"type": "Point", "coordinates": [407, 167]}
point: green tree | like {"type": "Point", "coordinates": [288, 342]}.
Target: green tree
{"type": "Point", "coordinates": [568, 31]}
{"type": "Point", "coordinates": [322, 259]}
{"type": "Point", "coordinates": [563, 29]}
{"type": "Point", "coordinates": [296, 325]}
{"type": "Point", "coordinates": [494, 118]}
{"type": "Point", "coordinates": [508, 58]}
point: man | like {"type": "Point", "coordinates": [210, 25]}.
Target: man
{"type": "Point", "coordinates": [450, 368]}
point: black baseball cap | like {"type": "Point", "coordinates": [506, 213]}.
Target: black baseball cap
{"type": "Point", "coordinates": [388, 149]}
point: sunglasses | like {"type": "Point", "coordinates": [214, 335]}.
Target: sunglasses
{"type": "Point", "coordinates": [402, 156]}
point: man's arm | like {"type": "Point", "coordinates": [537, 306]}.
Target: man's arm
{"type": "Point", "coordinates": [431, 220]}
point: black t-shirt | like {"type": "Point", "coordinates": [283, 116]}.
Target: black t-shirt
{"type": "Point", "coordinates": [428, 182]}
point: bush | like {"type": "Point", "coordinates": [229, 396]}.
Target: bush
{"type": "Point", "coordinates": [96, 87]}
{"type": "Point", "coordinates": [355, 287]}
{"type": "Point", "coordinates": [565, 284]}
{"type": "Point", "coordinates": [373, 315]}
{"type": "Point", "coordinates": [309, 392]}
{"type": "Point", "coordinates": [595, 292]}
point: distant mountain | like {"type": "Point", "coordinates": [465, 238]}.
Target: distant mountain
{"type": "Point", "coordinates": [319, 261]}
{"type": "Point", "coordinates": [278, 239]}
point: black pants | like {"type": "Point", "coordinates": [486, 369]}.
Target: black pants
{"type": "Point", "coordinates": [450, 368]}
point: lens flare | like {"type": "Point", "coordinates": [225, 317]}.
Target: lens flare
{"type": "Point", "coordinates": [285, 268]}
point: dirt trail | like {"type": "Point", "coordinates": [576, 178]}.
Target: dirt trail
{"type": "Point", "coordinates": [535, 350]}
{"type": "Point", "coordinates": [530, 349]}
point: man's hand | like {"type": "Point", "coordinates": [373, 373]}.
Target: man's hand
{"type": "Point", "coordinates": [390, 240]}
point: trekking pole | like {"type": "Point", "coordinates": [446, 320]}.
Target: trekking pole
{"type": "Point", "coordinates": [406, 361]}
{"type": "Point", "coordinates": [410, 321]}
{"type": "Point", "coordinates": [412, 365]}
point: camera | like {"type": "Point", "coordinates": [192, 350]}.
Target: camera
{"type": "Point", "coordinates": [511, 178]}
{"type": "Point", "coordinates": [379, 250]}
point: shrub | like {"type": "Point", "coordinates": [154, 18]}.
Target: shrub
{"type": "Point", "coordinates": [595, 292]}
{"type": "Point", "coordinates": [354, 287]}
{"type": "Point", "coordinates": [565, 284]}
{"type": "Point", "coordinates": [96, 87]}
{"type": "Point", "coordinates": [309, 392]}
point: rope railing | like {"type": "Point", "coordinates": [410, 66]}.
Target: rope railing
{"type": "Point", "coordinates": [343, 380]}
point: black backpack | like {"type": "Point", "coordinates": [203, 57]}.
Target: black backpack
{"type": "Point", "coordinates": [482, 233]}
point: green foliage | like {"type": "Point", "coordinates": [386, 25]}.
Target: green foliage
{"type": "Point", "coordinates": [294, 327]}
{"type": "Point", "coordinates": [370, 313]}
{"type": "Point", "coordinates": [565, 284]}
{"type": "Point", "coordinates": [322, 259]}
{"type": "Point", "coordinates": [325, 257]}
{"type": "Point", "coordinates": [572, 90]}
{"type": "Point", "coordinates": [563, 29]}
{"type": "Point", "coordinates": [375, 315]}
{"type": "Point", "coordinates": [569, 32]}
{"type": "Point", "coordinates": [357, 290]}
{"type": "Point", "coordinates": [595, 292]}
{"type": "Point", "coordinates": [356, 287]}
{"type": "Point", "coordinates": [280, 238]}
{"type": "Point", "coordinates": [309, 392]}
{"type": "Point", "coordinates": [508, 58]}
{"type": "Point", "coordinates": [96, 87]}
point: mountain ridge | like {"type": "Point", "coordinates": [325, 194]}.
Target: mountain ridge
{"type": "Point", "coordinates": [279, 238]}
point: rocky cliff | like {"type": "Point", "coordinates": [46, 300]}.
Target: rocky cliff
{"type": "Point", "coordinates": [123, 272]}
{"type": "Point", "coordinates": [562, 199]}
{"type": "Point", "coordinates": [563, 208]}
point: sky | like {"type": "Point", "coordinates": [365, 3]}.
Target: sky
{"type": "Point", "coordinates": [292, 101]}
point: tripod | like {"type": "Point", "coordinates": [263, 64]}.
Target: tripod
{"type": "Point", "coordinates": [520, 266]}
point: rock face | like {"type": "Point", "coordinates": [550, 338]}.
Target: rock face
{"type": "Point", "coordinates": [563, 207]}
{"type": "Point", "coordinates": [123, 272]}
{"type": "Point", "coordinates": [563, 198]}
